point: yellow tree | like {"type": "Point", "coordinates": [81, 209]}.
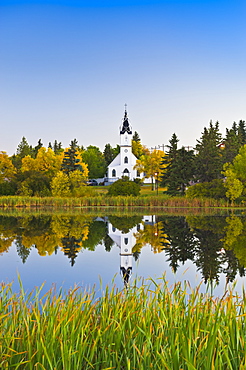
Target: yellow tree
{"type": "Point", "coordinates": [150, 164]}
{"type": "Point", "coordinates": [7, 169]}
{"type": "Point", "coordinates": [46, 162]}
{"type": "Point", "coordinates": [72, 184]}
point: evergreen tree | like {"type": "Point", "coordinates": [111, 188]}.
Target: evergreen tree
{"type": "Point", "coordinates": [179, 244]}
{"type": "Point", "coordinates": [178, 168]}
{"type": "Point", "coordinates": [209, 160]}
{"type": "Point", "coordinates": [232, 144]}
{"type": "Point", "coordinates": [71, 247]}
{"type": "Point", "coordinates": [242, 132]}
{"type": "Point", "coordinates": [24, 148]}
{"type": "Point", "coordinates": [71, 160]}
{"type": "Point", "coordinates": [37, 147]}
{"type": "Point", "coordinates": [22, 151]}
{"type": "Point", "coordinates": [136, 137]}
{"type": "Point", "coordinates": [110, 153]}
{"type": "Point", "coordinates": [57, 147]}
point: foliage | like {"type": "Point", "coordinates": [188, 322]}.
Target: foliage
{"type": "Point", "coordinates": [150, 164]}
{"type": "Point", "coordinates": [125, 224]}
{"type": "Point", "coordinates": [33, 183]}
{"type": "Point", "coordinates": [235, 237]}
{"type": "Point", "coordinates": [60, 185]}
{"type": "Point", "coordinates": [231, 144]}
{"type": "Point", "coordinates": [7, 169]}
{"type": "Point", "coordinates": [124, 187]}
{"type": "Point", "coordinates": [72, 160]}
{"type": "Point", "coordinates": [110, 153]}
{"type": "Point", "coordinates": [235, 175]}
{"type": "Point", "coordinates": [71, 184]}
{"type": "Point", "coordinates": [213, 189]}
{"type": "Point", "coordinates": [177, 168]}
{"type": "Point", "coordinates": [209, 159]}
{"type": "Point", "coordinates": [95, 161]}
{"type": "Point", "coordinates": [45, 162]}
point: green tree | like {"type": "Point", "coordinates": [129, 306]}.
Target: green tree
{"type": "Point", "coordinates": [177, 168]}
{"type": "Point", "coordinates": [110, 153]}
{"type": "Point", "coordinates": [60, 185]}
{"type": "Point", "coordinates": [209, 160]}
{"type": "Point", "coordinates": [23, 149]}
{"type": "Point", "coordinates": [71, 160]}
{"type": "Point", "coordinates": [33, 183]}
{"type": "Point", "coordinates": [231, 143]}
{"type": "Point", "coordinates": [235, 175]}
{"type": "Point", "coordinates": [212, 189]}
{"type": "Point", "coordinates": [37, 147]}
{"type": "Point", "coordinates": [136, 137]}
{"type": "Point", "coordinates": [242, 132]}
{"type": "Point", "coordinates": [95, 160]}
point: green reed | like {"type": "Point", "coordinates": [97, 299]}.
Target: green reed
{"type": "Point", "coordinates": [151, 327]}
{"type": "Point", "coordinates": [150, 201]}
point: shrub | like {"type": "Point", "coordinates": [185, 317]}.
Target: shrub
{"type": "Point", "coordinates": [124, 187]}
{"type": "Point", "coordinates": [213, 189]}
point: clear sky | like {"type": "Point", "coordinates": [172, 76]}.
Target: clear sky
{"type": "Point", "coordinates": [67, 68]}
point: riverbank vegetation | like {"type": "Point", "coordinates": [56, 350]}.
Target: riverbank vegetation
{"type": "Point", "coordinates": [151, 327]}
{"type": "Point", "coordinates": [147, 202]}
{"type": "Point", "coordinates": [215, 168]}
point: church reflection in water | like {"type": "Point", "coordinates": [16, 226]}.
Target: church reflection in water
{"type": "Point", "coordinates": [126, 240]}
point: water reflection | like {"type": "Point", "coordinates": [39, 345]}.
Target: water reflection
{"type": "Point", "coordinates": [214, 244]}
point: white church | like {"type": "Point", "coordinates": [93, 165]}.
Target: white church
{"type": "Point", "coordinates": [123, 164]}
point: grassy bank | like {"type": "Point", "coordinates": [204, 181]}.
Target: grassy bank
{"type": "Point", "coordinates": [150, 202]}
{"type": "Point", "coordinates": [151, 327]}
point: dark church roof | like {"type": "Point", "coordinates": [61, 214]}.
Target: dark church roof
{"type": "Point", "coordinates": [125, 125]}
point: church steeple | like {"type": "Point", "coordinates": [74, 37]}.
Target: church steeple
{"type": "Point", "coordinates": [125, 131]}
{"type": "Point", "coordinates": [125, 126]}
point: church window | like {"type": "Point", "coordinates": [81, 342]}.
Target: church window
{"type": "Point", "coordinates": [126, 160]}
{"type": "Point", "coordinates": [113, 173]}
{"type": "Point", "coordinates": [138, 173]}
{"type": "Point", "coordinates": [126, 241]}
{"type": "Point", "coordinates": [126, 172]}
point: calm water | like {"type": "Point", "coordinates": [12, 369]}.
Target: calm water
{"type": "Point", "coordinates": [68, 250]}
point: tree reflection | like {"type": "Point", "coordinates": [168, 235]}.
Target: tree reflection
{"type": "Point", "coordinates": [215, 244]}
{"type": "Point", "coordinates": [179, 244]}
{"type": "Point", "coordinates": [71, 247]}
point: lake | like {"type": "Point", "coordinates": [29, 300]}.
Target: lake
{"type": "Point", "coordinates": [96, 250]}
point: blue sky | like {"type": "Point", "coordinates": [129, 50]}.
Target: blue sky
{"type": "Point", "coordinates": [68, 67]}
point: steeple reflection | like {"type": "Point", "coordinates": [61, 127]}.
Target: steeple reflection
{"type": "Point", "coordinates": [126, 239]}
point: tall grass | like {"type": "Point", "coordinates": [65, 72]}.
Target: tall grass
{"type": "Point", "coordinates": [151, 327]}
{"type": "Point", "coordinates": [152, 202]}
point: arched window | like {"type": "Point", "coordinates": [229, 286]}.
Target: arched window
{"type": "Point", "coordinates": [113, 173]}
{"type": "Point", "coordinates": [126, 160]}
{"type": "Point", "coordinates": [126, 172]}
{"type": "Point", "coordinates": [126, 241]}
{"type": "Point", "coordinates": [138, 173]}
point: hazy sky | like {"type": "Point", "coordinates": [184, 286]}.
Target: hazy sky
{"type": "Point", "coordinates": [68, 67]}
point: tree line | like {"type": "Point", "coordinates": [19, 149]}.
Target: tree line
{"type": "Point", "coordinates": [215, 167]}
